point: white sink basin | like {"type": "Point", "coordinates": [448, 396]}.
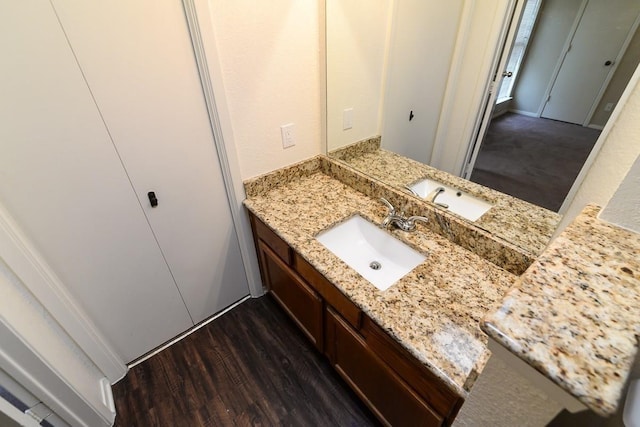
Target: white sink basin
{"type": "Point", "coordinates": [375, 254]}
{"type": "Point", "coordinates": [460, 203]}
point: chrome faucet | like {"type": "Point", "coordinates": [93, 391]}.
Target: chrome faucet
{"type": "Point", "coordinates": [435, 193]}
{"type": "Point", "coordinates": [398, 219]}
{"type": "Point", "coordinates": [410, 190]}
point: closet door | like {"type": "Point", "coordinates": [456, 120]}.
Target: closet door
{"type": "Point", "coordinates": [62, 180]}
{"type": "Point", "coordinates": [138, 61]}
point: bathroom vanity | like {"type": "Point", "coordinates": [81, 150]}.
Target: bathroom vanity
{"type": "Point", "coordinates": [412, 352]}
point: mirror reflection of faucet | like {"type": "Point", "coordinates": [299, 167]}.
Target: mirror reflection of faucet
{"type": "Point", "coordinates": [411, 190]}
{"type": "Point", "coordinates": [434, 194]}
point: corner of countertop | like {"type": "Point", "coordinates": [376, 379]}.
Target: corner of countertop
{"type": "Point", "coordinates": [262, 184]}
{"type": "Point", "coordinates": [580, 291]}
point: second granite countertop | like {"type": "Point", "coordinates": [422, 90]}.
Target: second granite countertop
{"type": "Point", "coordinates": [574, 315]}
{"type": "Point", "coordinates": [434, 311]}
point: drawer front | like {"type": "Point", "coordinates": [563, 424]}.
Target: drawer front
{"type": "Point", "coordinates": [329, 292]}
{"type": "Point", "coordinates": [300, 302]}
{"type": "Point", "coordinates": [381, 389]}
{"type": "Point", "coordinates": [268, 236]}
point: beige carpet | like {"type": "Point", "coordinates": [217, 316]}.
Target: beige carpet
{"type": "Point", "coordinates": [534, 159]}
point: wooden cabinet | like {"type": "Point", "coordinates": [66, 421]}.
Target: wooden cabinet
{"type": "Point", "coordinates": [301, 302]}
{"type": "Point", "coordinates": [397, 388]}
{"type": "Point", "coordinates": [378, 385]}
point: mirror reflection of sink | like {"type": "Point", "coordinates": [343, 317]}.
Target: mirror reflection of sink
{"type": "Point", "coordinates": [375, 254]}
{"type": "Point", "coordinates": [460, 203]}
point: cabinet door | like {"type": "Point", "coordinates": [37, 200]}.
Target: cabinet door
{"type": "Point", "coordinates": [138, 60]}
{"type": "Point", "coordinates": [301, 302]}
{"type": "Point", "coordinates": [378, 386]}
{"type": "Point", "coordinates": [63, 182]}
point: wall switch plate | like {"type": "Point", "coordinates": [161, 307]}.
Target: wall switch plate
{"type": "Point", "coordinates": [608, 106]}
{"type": "Point", "coordinates": [347, 118]}
{"type": "Point", "coordinates": [288, 137]}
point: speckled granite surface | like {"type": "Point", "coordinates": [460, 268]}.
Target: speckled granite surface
{"type": "Point", "coordinates": [479, 241]}
{"type": "Point", "coordinates": [575, 313]}
{"type": "Point", "coordinates": [357, 149]}
{"type": "Point", "coordinates": [434, 311]}
{"type": "Point", "coordinates": [528, 226]}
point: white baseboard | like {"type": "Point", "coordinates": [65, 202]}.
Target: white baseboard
{"type": "Point", "coordinates": [524, 113]}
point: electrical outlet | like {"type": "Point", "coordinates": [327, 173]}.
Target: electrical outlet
{"type": "Point", "coordinates": [288, 137]}
{"type": "Point", "coordinates": [608, 106]}
{"type": "Point", "coordinates": [347, 118]}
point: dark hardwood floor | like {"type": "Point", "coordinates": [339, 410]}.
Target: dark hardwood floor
{"type": "Point", "coordinates": [249, 367]}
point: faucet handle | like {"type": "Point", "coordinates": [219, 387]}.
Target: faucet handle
{"type": "Point", "coordinates": [392, 210]}
{"type": "Point", "coordinates": [411, 221]}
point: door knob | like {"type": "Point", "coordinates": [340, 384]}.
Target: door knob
{"type": "Point", "coordinates": [152, 199]}
{"type": "Point", "coordinates": [507, 74]}
{"type": "Point", "coordinates": [606, 64]}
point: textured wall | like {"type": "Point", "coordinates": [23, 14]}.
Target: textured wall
{"type": "Point", "coordinates": [501, 397]}
{"type": "Point", "coordinates": [270, 55]}
{"type": "Point", "coordinates": [356, 53]}
{"type": "Point", "coordinates": [420, 52]}
{"type": "Point", "coordinates": [623, 208]}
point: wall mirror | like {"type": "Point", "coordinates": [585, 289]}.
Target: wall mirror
{"type": "Point", "coordinates": [511, 94]}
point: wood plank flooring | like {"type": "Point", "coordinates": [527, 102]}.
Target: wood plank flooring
{"type": "Point", "coordinates": [250, 367]}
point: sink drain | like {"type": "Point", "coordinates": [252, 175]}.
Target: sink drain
{"type": "Point", "coordinates": [375, 265]}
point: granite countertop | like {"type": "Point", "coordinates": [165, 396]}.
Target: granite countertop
{"type": "Point", "coordinates": [434, 311]}
{"type": "Point", "coordinates": [521, 223]}
{"type": "Point", "coordinates": [574, 315]}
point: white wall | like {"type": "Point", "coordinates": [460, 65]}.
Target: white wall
{"type": "Point", "coordinates": [356, 56]}
{"type": "Point", "coordinates": [623, 208]}
{"type": "Point", "coordinates": [422, 43]}
{"type": "Point", "coordinates": [271, 54]}
{"type": "Point", "coordinates": [612, 163]}
{"type": "Point", "coordinates": [502, 397]}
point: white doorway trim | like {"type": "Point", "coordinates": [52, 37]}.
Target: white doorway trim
{"type": "Point", "coordinates": [471, 71]}
{"type": "Point", "coordinates": [200, 26]}
{"type": "Point", "coordinates": [27, 264]}
{"type": "Point", "coordinates": [507, 37]}
{"type": "Point", "coordinates": [33, 372]}
{"type": "Point", "coordinates": [14, 413]}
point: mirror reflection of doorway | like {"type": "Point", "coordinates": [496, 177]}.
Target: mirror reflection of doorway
{"type": "Point", "coordinates": [568, 65]}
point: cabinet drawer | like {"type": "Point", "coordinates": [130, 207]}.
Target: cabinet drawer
{"type": "Point", "coordinates": [329, 292]}
{"type": "Point", "coordinates": [424, 382]}
{"type": "Point", "coordinates": [300, 302]}
{"type": "Point", "coordinates": [382, 390]}
{"type": "Point", "coordinates": [268, 236]}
